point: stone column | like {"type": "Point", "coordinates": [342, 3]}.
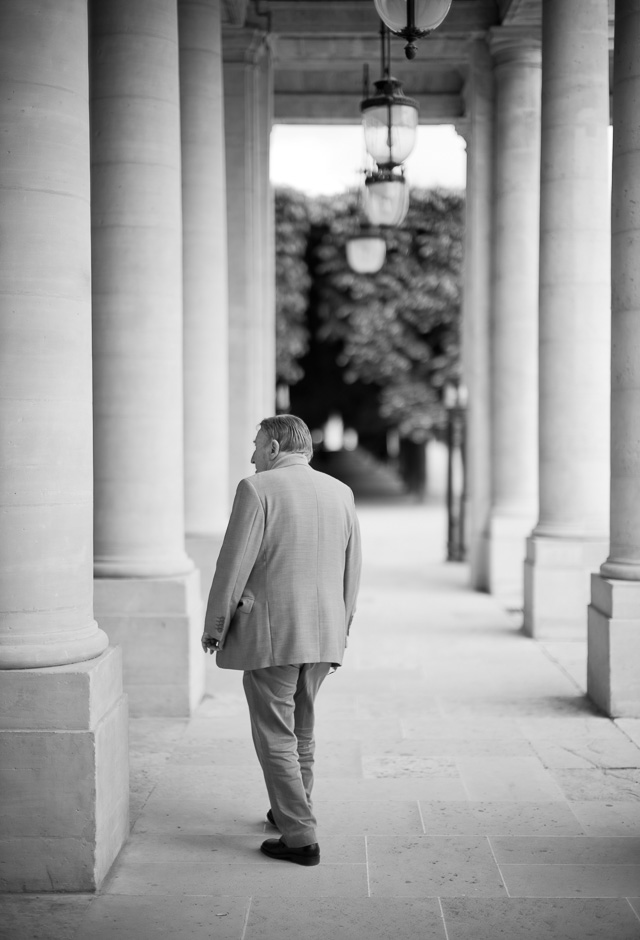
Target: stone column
{"type": "Point", "coordinates": [477, 305]}
{"type": "Point", "coordinates": [614, 613]}
{"type": "Point", "coordinates": [514, 328]}
{"type": "Point", "coordinates": [204, 227]}
{"type": "Point", "coordinates": [248, 94]}
{"type": "Point", "coordinates": [147, 591]}
{"type": "Point", "coordinates": [267, 235]}
{"type": "Point", "coordinates": [571, 536]}
{"type": "Point", "coordinates": [63, 717]}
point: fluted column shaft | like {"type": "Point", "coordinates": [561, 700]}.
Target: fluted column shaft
{"type": "Point", "coordinates": [514, 332]}
{"type": "Point", "coordinates": [574, 269]}
{"type": "Point", "coordinates": [204, 226]}
{"type": "Point", "coordinates": [46, 586]}
{"type": "Point", "coordinates": [613, 661]}
{"type": "Point", "coordinates": [624, 557]}
{"type": "Point", "coordinates": [267, 236]}
{"type": "Point", "coordinates": [571, 534]}
{"type": "Point", "coordinates": [248, 97]}
{"type": "Point", "coordinates": [137, 289]}
{"type": "Point", "coordinates": [64, 797]}
{"type": "Point", "coordinates": [477, 304]}
{"type": "Point", "coordinates": [147, 592]}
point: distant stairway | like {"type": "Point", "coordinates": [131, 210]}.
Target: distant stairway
{"type": "Point", "coordinates": [369, 478]}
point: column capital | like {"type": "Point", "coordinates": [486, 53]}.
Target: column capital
{"type": "Point", "coordinates": [234, 11]}
{"type": "Point", "coordinates": [516, 44]}
{"type": "Point", "coordinates": [463, 130]}
{"type": "Point", "coordinates": [244, 46]}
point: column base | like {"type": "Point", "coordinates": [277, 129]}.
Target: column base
{"type": "Point", "coordinates": [557, 577]}
{"type": "Point", "coordinates": [506, 551]}
{"type": "Point", "coordinates": [204, 551]}
{"type": "Point", "coordinates": [613, 661]}
{"type": "Point", "coordinates": [65, 775]}
{"type": "Point", "coordinates": [479, 562]}
{"type": "Point", "coordinates": [158, 623]}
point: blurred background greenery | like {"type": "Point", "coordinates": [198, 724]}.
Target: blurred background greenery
{"type": "Point", "coordinates": [376, 349]}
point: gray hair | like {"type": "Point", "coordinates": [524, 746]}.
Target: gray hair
{"type": "Point", "coordinates": [290, 432]}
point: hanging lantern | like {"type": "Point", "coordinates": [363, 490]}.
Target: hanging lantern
{"type": "Point", "coordinates": [412, 19]}
{"type": "Point", "coordinates": [386, 198]}
{"type": "Point", "coordinates": [390, 122]}
{"type": "Point", "coordinates": [389, 118]}
{"type": "Point", "coordinates": [366, 251]}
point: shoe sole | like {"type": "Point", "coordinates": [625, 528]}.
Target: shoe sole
{"type": "Point", "coordinates": [296, 859]}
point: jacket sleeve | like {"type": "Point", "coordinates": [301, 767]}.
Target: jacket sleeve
{"type": "Point", "coordinates": [352, 569]}
{"type": "Point", "coordinates": [237, 557]}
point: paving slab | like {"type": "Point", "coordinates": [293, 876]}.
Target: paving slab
{"type": "Point", "coordinates": [266, 879]}
{"type": "Point", "coordinates": [571, 881]}
{"type": "Point", "coordinates": [469, 746]}
{"type": "Point", "coordinates": [610, 818]}
{"type": "Point", "coordinates": [433, 866]}
{"type": "Point", "coordinates": [620, 785]}
{"type": "Point", "coordinates": [34, 916]}
{"type": "Point", "coordinates": [585, 755]}
{"type": "Point", "coordinates": [544, 919]}
{"type": "Point", "coordinates": [149, 917]}
{"type": "Point", "coordinates": [355, 919]}
{"type": "Point", "coordinates": [396, 817]}
{"type": "Point", "coordinates": [635, 904]}
{"type": "Point", "coordinates": [499, 779]}
{"type": "Point", "coordinates": [564, 850]}
{"type": "Point", "coordinates": [403, 787]}
{"type": "Point", "coordinates": [511, 818]}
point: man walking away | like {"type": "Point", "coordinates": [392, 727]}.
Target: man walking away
{"type": "Point", "coordinates": [280, 608]}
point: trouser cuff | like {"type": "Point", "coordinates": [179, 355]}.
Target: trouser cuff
{"type": "Point", "coordinates": [298, 839]}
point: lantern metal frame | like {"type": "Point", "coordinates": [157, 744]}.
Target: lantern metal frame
{"type": "Point", "coordinates": [388, 95]}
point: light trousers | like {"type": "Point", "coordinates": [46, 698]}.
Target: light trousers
{"type": "Point", "coordinates": [281, 707]}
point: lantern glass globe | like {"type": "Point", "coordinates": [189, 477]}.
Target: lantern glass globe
{"type": "Point", "coordinates": [366, 253]}
{"type": "Point", "coordinates": [385, 199]}
{"type": "Point", "coordinates": [428, 14]}
{"type": "Point", "coordinates": [389, 131]}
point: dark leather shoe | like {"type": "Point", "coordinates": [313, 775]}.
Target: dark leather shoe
{"type": "Point", "coordinates": [301, 855]}
{"type": "Point", "coordinates": [271, 818]}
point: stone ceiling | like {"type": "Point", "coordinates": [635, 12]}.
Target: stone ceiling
{"type": "Point", "coordinates": [319, 48]}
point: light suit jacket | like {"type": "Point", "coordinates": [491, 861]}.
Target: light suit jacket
{"type": "Point", "coordinates": [286, 580]}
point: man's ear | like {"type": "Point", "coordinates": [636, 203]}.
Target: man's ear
{"type": "Point", "coordinates": [275, 449]}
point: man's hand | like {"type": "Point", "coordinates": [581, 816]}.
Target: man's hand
{"type": "Point", "coordinates": [209, 643]}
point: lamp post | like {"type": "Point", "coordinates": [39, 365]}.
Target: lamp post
{"type": "Point", "coordinates": [412, 19]}
{"type": "Point", "coordinates": [455, 402]}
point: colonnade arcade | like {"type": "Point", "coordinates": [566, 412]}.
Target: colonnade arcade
{"type": "Point", "coordinates": [137, 299]}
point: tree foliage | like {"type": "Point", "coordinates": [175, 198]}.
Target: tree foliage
{"type": "Point", "coordinates": [395, 332]}
{"type": "Point", "coordinates": [292, 284]}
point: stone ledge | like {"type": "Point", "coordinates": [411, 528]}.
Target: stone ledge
{"type": "Point", "coordinates": [73, 697]}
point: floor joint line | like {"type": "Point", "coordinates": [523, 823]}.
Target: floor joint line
{"type": "Point", "coordinates": [246, 919]}
{"type": "Point", "coordinates": [366, 855]}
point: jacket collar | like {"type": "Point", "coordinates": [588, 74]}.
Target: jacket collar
{"type": "Point", "coordinates": [289, 460]}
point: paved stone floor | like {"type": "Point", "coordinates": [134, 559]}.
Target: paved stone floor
{"type": "Point", "coordinates": [465, 789]}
